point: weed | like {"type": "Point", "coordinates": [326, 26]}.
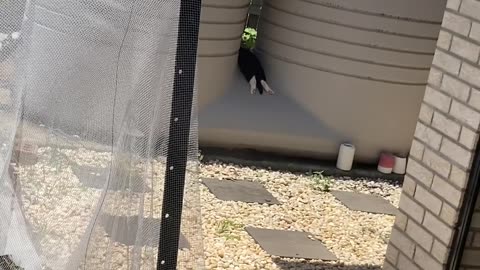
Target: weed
{"type": "Point", "coordinates": [321, 182]}
{"type": "Point", "coordinates": [226, 228]}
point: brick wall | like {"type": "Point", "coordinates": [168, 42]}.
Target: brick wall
{"type": "Point", "coordinates": [471, 255]}
{"type": "Point", "coordinates": [442, 150]}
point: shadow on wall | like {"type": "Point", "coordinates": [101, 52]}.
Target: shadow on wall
{"type": "Point", "coordinates": [276, 123]}
{"type": "Point", "coordinates": [355, 69]}
{"type": "Point", "coordinates": [308, 265]}
{"type": "Point", "coordinates": [272, 114]}
{"type": "Point", "coordinates": [284, 123]}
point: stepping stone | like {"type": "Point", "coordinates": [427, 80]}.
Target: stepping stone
{"type": "Point", "coordinates": [364, 202]}
{"type": "Point", "coordinates": [127, 228]}
{"type": "Point", "coordinates": [290, 244]}
{"type": "Point", "coordinates": [95, 177]}
{"type": "Point", "coordinates": [242, 191]}
{"type": "Point", "coordinates": [90, 176]}
{"type": "Point", "coordinates": [26, 153]}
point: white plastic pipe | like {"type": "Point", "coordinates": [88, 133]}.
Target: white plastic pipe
{"type": "Point", "coordinates": [345, 157]}
{"type": "Point", "coordinates": [400, 165]}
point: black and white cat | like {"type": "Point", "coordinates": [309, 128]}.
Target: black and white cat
{"type": "Point", "coordinates": [253, 72]}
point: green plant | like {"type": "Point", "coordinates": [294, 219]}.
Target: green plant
{"type": "Point", "coordinates": [249, 38]}
{"type": "Point", "coordinates": [227, 227]}
{"type": "Point", "coordinates": [321, 182]}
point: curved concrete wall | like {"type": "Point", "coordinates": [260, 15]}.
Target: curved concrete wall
{"type": "Point", "coordinates": [344, 70]}
{"type": "Point", "coordinates": [221, 28]}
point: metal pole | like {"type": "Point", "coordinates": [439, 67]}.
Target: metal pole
{"type": "Point", "coordinates": [183, 87]}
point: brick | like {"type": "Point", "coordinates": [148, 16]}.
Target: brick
{"type": "Point", "coordinates": [458, 177]}
{"type": "Point", "coordinates": [435, 77]}
{"type": "Point", "coordinates": [437, 99]}
{"type": "Point", "coordinates": [456, 153]}
{"type": "Point", "coordinates": [468, 138]}
{"type": "Point", "coordinates": [419, 172]}
{"type": "Point", "coordinates": [455, 23]}
{"type": "Point", "coordinates": [402, 243]}
{"type": "Point", "coordinates": [401, 221]}
{"type": "Point", "coordinates": [465, 49]}
{"type": "Point", "coordinates": [426, 113]}
{"type": "Point", "coordinates": [474, 100]}
{"type": "Point", "coordinates": [455, 88]}
{"type": "Point", "coordinates": [469, 240]}
{"type": "Point", "coordinates": [439, 251]}
{"type": "Point", "coordinates": [417, 149]}
{"type": "Point", "coordinates": [446, 126]}
{"type": "Point", "coordinates": [409, 185]}
{"type": "Point", "coordinates": [405, 264]}
{"type": "Point", "coordinates": [425, 261]}
{"type": "Point", "coordinates": [465, 114]}
{"type": "Point", "coordinates": [421, 236]}
{"type": "Point", "coordinates": [470, 258]}
{"type": "Point", "coordinates": [448, 192]}
{"type": "Point", "coordinates": [444, 40]}
{"type": "Point", "coordinates": [438, 228]}
{"type": "Point", "coordinates": [447, 62]}
{"type": "Point", "coordinates": [453, 4]}
{"type": "Point", "coordinates": [470, 8]}
{"type": "Point", "coordinates": [436, 163]}
{"type": "Point", "coordinates": [392, 254]}
{"type": "Point", "coordinates": [449, 214]}
{"type": "Point", "coordinates": [428, 136]}
{"type": "Point", "coordinates": [470, 74]}
{"type": "Point", "coordinates": [427, 199]}
{"type": "Point", "coordinates": [475, 220]}
{"type": "Point", "coordinates": [476, 240]}
{"type": "Point", "coordinates": [414, 210]}
{"type": "Point", "coordinates": [475, 32]}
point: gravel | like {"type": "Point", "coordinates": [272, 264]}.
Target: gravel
{"type": "Point", "coordinates": [357, 239]}
{"type": "Point", "coordinates": [60, 208]}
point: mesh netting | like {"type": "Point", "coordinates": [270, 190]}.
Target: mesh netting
{"type": "Point", "coordinates": [86, 95]}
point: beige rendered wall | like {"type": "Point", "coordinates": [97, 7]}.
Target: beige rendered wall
{"type": "Point", "coordinates": [343, 71]}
